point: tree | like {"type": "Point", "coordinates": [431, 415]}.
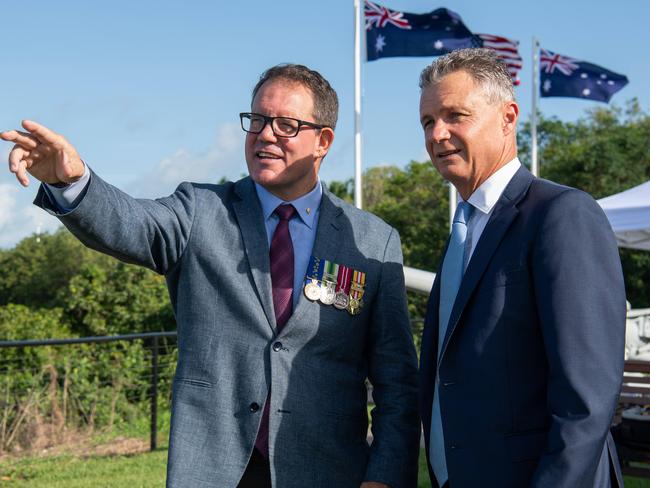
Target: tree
{"type": "Point", "coordinates": [603, 153]}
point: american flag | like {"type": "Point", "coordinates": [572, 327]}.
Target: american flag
{"type": "Point", "coordinates": [508, 52]}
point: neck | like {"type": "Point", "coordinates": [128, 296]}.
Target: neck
{"type": "Point", "coordinates": [466, 188]}
{"type": "Point", "coordinates": [291, 194]}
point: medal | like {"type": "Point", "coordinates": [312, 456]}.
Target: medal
{"type": "Point", "coordinates": [312, 287]}
{"type": "Point", "coordinates": [328, 286]}
{"type": "Point", "coordinates": [354, 307]}
{"type": "Point", "coordinates": [312, 290]}
{"type": "Point", "coordinates": [327, 293]}
{"type": "Point", "coordinates": [356, 292]}
{"type": "Point", "coordinates": [342, 299]}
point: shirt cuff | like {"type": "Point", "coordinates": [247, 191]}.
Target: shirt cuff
{"type": "Point", "coordinates": [65, 196]}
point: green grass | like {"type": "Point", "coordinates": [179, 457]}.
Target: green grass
{"type": "Point", "coordinates": [145, 470]}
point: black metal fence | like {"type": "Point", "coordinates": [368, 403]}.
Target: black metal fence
{"type": "Point", "coordinates": [58, 380]}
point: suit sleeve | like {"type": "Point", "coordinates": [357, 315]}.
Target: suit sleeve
{"type": "Point", "coordinates": [151, 233]}
{"type": "Point", "coordinates": [580, 299]}
{"type": "Point", "coordinates": [393, 374]}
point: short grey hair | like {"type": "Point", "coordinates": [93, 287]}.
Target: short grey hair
{"type": "Point", "coordinates": [483, 65]}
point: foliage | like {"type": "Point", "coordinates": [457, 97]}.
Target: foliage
{"type": "Point", "coordinates": [100, 296]}
{"type": "Point", "coordinates": [54, 287]}
{"type": "Point", "coordinates": [603, 153]}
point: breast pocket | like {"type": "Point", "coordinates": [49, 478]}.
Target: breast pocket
{"type": "Point", "coordinates": [511, 276]}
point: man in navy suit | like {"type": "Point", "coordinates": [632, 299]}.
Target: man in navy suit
{"type": "Point", "coordinates": [522, 350]}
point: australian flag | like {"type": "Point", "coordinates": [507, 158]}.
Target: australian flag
{"type": "Point", "coordinates": [391, 34]}
{"type": "Point", "coordinates": [562, 76]}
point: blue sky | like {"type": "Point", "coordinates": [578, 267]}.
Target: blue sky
{"type": "Point", "coordinates": [149, 92]}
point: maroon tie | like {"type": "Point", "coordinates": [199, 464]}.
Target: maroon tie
{"type": "Point", "coordinates": [281, 256]}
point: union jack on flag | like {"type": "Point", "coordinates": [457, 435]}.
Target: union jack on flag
{"type": "Point", "coordinates": [379, 16]}
{"type": "Point", "coordinates": [390, 33]}
{"type": "Point", "coordinates": [562, 76]}
{"type": "Point", "coordinates": [507, 50]}
{"type": "Point", "coordinates": [549, 62]}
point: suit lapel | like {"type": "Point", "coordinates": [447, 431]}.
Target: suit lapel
{"type": "Point", "coordinates": [504, 213]}
{"type": "Point", "coordinates": [326, 246]}
{"type": "Point", "coordinates": [253, 230]}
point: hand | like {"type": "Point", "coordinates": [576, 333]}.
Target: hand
{"type": "Point", "coordinates": [47, 156]}
{"type": "Point", "coordinates": [373, 484]}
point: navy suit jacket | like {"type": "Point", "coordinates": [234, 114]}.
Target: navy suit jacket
{"type": "Point", "coordinates": [532, 360]}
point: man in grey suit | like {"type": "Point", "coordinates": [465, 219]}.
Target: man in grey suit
{"type": "Point", "coordinates": [286, 299]}
{"type": "Point", "coordinates": [522, 349]}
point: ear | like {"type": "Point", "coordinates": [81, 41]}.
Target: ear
{"type": "Point", "coordinates": [325, 140]}
{"type": "Point", "coordinates": [510, 117]}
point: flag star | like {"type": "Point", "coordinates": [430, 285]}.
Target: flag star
{"type": "Point", "coordinates": [380, 43]}
{"type": "Point", "coordinates": [598, 82]}
{"type": "Point", "coordinates": [438, 44]}
{"type": "Point", "coordinates": [583, 75]}
{"type": "Point", "coordinates": [603, 76]}
{"type": "Point", "coordinates": [610, 82]}
{"type": "Point", "coordinates": [547, 85]}
{"type": "Point", "coordinates": [586, 92]}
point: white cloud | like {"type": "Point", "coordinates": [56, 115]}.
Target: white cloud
{"type": "Point", "coordinates": [19, 218]}
{"type": "Point", "coordinates": [7, 203]}
{"type": "Point", "coordinates": [224, 158]}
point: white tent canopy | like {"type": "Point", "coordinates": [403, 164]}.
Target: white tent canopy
{"type": "Point", "coordinates": [629, 214]}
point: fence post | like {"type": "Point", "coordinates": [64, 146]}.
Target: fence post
{"type": "Point", "coordinates": [153, 442]}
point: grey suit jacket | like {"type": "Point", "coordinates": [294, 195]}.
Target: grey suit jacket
{"type": "Point", "coordinates": [210, 243]}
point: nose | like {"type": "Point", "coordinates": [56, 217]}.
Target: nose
{"type": "Point", "coordinates": [438, 132]}
{"type": "Point", "coordinates": [267, 133]}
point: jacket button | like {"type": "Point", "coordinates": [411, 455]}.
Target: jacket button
{"type": "Point", "coordinates": [277, 346]}
{"type": "Point", "coordinates": [254, 407]}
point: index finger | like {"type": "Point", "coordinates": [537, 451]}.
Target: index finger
{"type": "Point", "coordinates": [41, 132]}
{"type": "Point", "coordinates": [23, 139]}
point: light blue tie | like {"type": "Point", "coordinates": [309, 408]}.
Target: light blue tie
{"type": "Point", "coordinates": [450, 278]}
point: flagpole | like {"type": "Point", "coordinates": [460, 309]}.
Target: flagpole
{"type": "Point", "coordinates": [533, 114]}
{"type": "Point", "coordinates": [357, 104]}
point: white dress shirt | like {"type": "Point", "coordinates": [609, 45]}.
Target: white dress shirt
{"type": "Point", "coordinates": [484, 198]}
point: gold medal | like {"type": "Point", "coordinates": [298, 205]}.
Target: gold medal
{"type": "Point", "coordinates": [355, 306]}
{"type": "Point", "coordinates": [356, 292]}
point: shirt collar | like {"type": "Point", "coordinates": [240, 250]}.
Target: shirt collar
{"type": "Point", "coordinates": [306, 205]}
{"type": "Point", "coordinates": [486, 196]}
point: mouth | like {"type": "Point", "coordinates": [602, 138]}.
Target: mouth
{"type": "Point", "coordinates": [446, 154]}
{"type": "Point", "coordinates": [267, 155]}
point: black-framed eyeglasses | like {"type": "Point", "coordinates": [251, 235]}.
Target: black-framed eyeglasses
{"type": "Point", "coordinates": [281, 126]}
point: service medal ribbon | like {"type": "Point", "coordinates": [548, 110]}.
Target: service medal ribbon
{"type": "Point", "coordinates": [356, 292]}
{"type": "Point", "coordinates": [328, 285]}
{"type": "Point", "coordinates": [313, 279]}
